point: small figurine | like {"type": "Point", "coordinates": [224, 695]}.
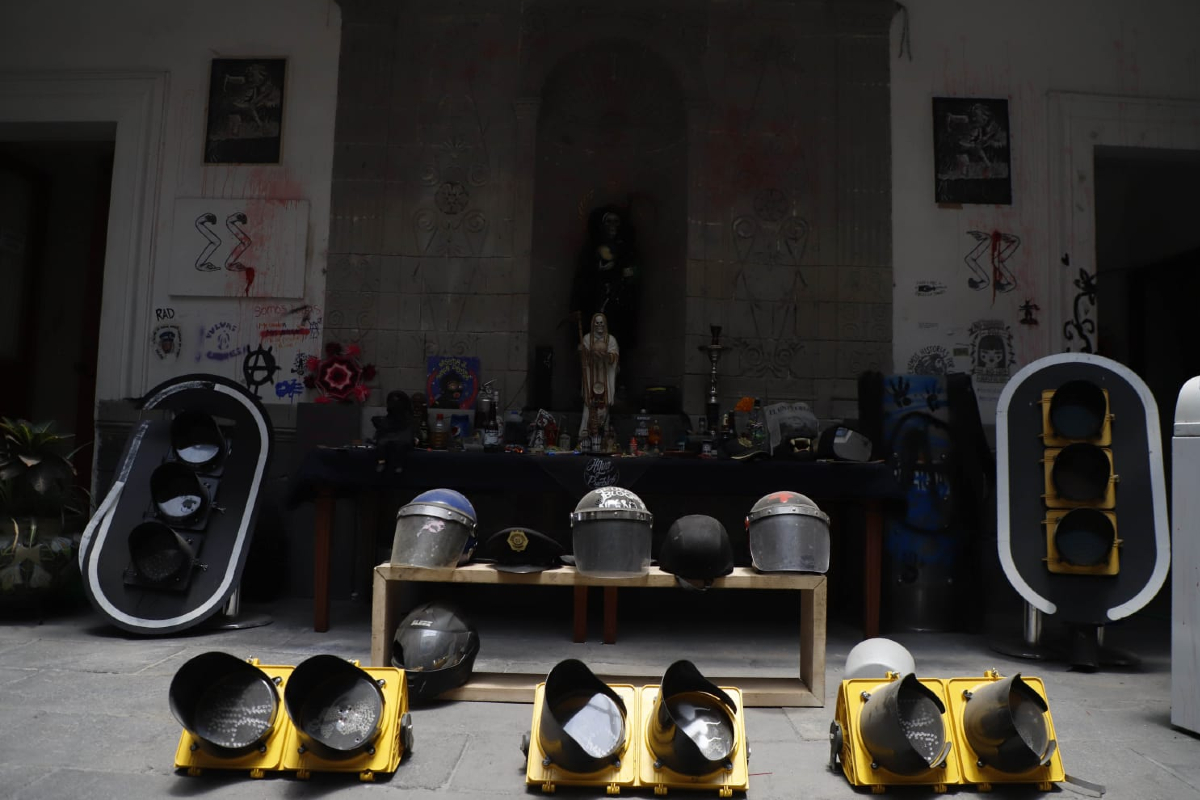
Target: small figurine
{"type": "Point", "coordinates": [395, 432]}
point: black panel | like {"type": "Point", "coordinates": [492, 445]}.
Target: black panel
{"type": "Point", "coordinates": [1081, 598]}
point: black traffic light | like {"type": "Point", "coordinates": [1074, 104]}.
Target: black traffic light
{"type": "Point", "coordinates": [166, 547]}
{"type": "Point", "coordinates": [1081, 495]}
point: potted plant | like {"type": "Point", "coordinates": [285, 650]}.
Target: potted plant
{"type": "Point", "coordinates": [42, 514]}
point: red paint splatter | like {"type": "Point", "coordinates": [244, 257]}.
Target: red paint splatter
{"type": "Point", "coordinates": [268, 334]}
{"type": "Point", "coordinates": [996, 275]}
{"type": "Point", "coordinates": [249, 273]}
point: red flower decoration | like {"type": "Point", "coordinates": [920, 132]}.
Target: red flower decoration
{"type": "Point", "coordinates": [339, 376]}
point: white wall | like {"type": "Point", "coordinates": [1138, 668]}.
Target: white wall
{"type": "Point", "coordinates": [180, 39]}
{"type": "Point", "coordinates": [1019, 50]}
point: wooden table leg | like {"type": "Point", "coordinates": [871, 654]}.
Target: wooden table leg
{"type": "Point", "coordinates": [610, 615]}
{"type": "Point", "coordinates": [384, 619]}
{"type": "Point", "coordinates": [322, 530]}
{"type": "Point", "coordinates": [580, 632]}
{"type": "Point", "coordinates": [872, 570]}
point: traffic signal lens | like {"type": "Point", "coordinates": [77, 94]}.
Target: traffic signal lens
{"type": "Point", "coordinates": [594, 722]}
{"type": "Point", "coordinates": [178, 494]}
{"type": "Point", "coordinates": [1085, 537]}
{"type": "Point", "coordinates": [1078, 410]}
{"type": "Point", "coordinates": [227, 705]}
{"type": "Point", "coordinates": [336, 707]}
{"type": "Point", "coordinates": [692, 728]}
{"type": "Point", "coordinates": [160, 555]}
{"type": "Point", "coordinates": [705, 723]}
{"type": "Point", "coordinates": [1005, 724]}
{"type": "Point", "coordinates": [902, 727]}
{"type": "Point", "coordinates": [582, 727]}
{"type": "Point", "coordinates": [1081, 473]}
{"type": "Point", "coordinates": [196, 439]}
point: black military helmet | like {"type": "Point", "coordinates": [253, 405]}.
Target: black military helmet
{"type": "Point", "coordinates": [696, 548]}
{"type": "Point", "coordinates": [436, 646]}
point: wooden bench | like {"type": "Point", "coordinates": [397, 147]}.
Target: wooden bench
{"type": "Point", "coordinates": [807, 688]}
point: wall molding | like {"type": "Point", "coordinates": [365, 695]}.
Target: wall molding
{"type": "Point", "coordinates": [1078, 124]}
{"type": "Point", "coordinates": [136, 102]}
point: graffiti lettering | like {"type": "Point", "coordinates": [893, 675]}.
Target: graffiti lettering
{"type": "Point", "coordinates": [164, 313]}
{"type": "Point", "coordinates": [290, 389]}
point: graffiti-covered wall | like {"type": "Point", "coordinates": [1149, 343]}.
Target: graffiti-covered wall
{"type": "Point", "coordinates": [988, 276]}
{"type": "Point", "coordinates": [746, 143]}
{"type": "Point", "coordinates": [239, 219]}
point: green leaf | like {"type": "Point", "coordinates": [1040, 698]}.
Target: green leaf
{"type": "Point", "coordinates": [10, 577]}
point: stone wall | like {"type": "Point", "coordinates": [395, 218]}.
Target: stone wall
{"type": "Point", "coordinates": [776, 223]}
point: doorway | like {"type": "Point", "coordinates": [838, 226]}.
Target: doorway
{"type": "Point", "coordinates": [1148, 267]}
{"type": "Point", "coordinates": [55, 183]}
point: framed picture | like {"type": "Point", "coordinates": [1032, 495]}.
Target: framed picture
{"type": "Point", "coordinates": [452, 381]}
{"type": "Point", "coordinates": [245, 111]}
{"type": "Point", "coordinates": [972, 160]}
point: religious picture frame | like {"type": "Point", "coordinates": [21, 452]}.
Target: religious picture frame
{"type": "Point", "coordinates": [245, 111]}
{"type": "Point", "coordinates": [972, 151]}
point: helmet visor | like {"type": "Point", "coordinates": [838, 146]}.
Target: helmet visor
{"type": "Point", "coordinates": [426, 649]}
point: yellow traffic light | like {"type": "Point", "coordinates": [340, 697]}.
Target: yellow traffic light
{"type": "Point", "coordinates": [893, 732]}
{"type": "Point", "coordinates": [685, 733]}
{"type": "Point", "coordinates": [230, 712]}
{"type": "Point", "coordinates": [1004, 732]}
{"type": "Point", "coordinates": [694, 734]}
{"type": "Point", "coordinates": [941, 732]}
{"type": "Point", "coordinates": [1080, 480]}
{"type": "Point", "coordinates": [581, 731]}
{"type": "Point", "coordinates": [339, 717]}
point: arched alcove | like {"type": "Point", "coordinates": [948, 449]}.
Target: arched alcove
{"type": "Point", "coordinates": [611, 131]}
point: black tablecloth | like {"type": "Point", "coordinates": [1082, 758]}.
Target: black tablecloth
{"type": "Point", "coordinates": [348, 470]}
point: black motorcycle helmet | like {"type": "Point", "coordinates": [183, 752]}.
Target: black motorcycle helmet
{"type": "Point", "coordinates": [697, 548]}
{"type": "Point", "coordinates": [436, 646]}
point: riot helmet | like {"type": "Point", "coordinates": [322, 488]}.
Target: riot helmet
{"type": "Point", "coordinates": [696, 548]}
{"type": "Point", "coordinates": [436, 646]}
{"type": "Point", "coordinates": [436, 530]}
{"type": "Point", "coordinates": [788, 533]}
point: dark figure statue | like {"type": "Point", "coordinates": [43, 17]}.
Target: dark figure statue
{"type": "Point", "coordinates": [395, 433]}
{"type": "Point", "coordinates": [606, 276]}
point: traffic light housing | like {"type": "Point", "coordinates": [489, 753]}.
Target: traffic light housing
{"type": "Point", "coordinates": [894, 732]}
{"type": "Point", "coordinates": [167, 546]}
{"type": "Point", "coordinates": [324, 715]}
{"type": "Point", "coordinates": [904, 731]}
{"type": "Point", "coordinates": [1082, 526]}
{"type": "Point", "coordinates": [684, 733]}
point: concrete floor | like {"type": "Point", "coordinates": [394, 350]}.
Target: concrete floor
{"type": "Point", "coordinates": [85, 713]}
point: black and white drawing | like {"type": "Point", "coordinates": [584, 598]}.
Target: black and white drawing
{"type": "Point", "coordinates": [245, 111]}
{"type": "Point", "coordinates": [971, 151]}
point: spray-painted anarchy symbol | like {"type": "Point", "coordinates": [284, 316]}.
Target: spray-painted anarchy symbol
{"type": "Point", "coordinates": [258, 368]}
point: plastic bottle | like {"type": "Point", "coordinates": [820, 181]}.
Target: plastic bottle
{"type": "Point", "coordinates": [437, 439]}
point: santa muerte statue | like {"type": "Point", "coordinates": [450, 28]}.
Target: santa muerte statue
{"type": "Point", "coordinates": [599, 356]}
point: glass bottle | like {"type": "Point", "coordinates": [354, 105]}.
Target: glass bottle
{"type": "Point", "coordinates": [438, 438]}
{"type": "Point", "coordinates": [492, 440]}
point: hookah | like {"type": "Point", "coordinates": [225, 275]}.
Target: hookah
{"type": "Point", "coordinates": [714, 350]}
